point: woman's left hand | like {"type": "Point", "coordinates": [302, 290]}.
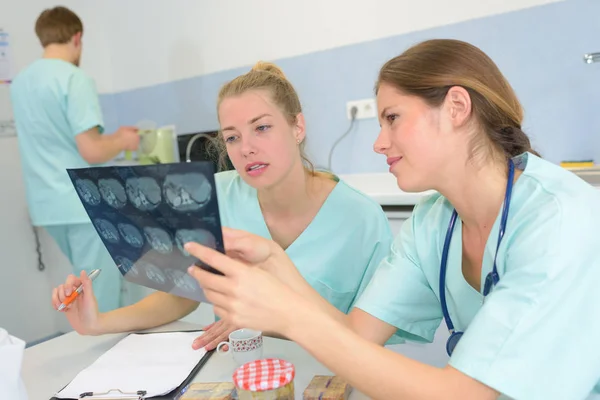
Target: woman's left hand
{"type": "Point", "coordinates": [214, 334]}
{"type": "Point", "coordinates": [245, 296]}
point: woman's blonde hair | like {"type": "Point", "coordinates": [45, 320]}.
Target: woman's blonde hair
{"type": "Point", "coordinates": [269, 77]}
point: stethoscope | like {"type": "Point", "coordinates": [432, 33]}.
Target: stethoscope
{"type": "Point", "coordinates": [491, 279]}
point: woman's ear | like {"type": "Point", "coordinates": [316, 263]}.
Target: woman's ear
{"type": "Point", "coordinates": [300, 128]}
{"type": "Point", "coordinates": [459, 106]}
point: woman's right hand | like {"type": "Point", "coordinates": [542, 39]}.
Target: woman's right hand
{"type": "Point", "coordinates": [82, 313]}
{"type": "Point", "coordinates": [267, 255]}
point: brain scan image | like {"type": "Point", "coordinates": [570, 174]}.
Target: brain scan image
{"type": "Point", "coordinates": [112, 192]}
{"type": "Point", "coordinates": [155, 274]}
{"type": "Point", "coordinates": [126, 266]}
{"type": "Point", "coordinates": [159, 239]}
{"type": "Point", "coordinates": [145, 214]}
{"type": "Point", "coordinates": [187, 192]}
{"type": "Point", "coordinates": [131, 234]}
{"type": "Point", "coordinates": [144, 193]}
{"type": "Point", "coordinates": [107, 230]}
{"type": "Point", "coordinates": [88, 191]}
{"type": "Point", "coordinates": [204, 237]}
{"type": "Point", "coordinates": [182, 279]}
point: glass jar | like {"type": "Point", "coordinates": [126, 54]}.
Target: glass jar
{"type": "Point", "coordinates": [268, 379]}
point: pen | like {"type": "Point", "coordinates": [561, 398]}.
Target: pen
{"type": "Point", "coordinates": [76, 292]}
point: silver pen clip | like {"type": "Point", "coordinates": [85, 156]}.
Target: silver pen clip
{"type": "Point", "coordinates": [114, 394]}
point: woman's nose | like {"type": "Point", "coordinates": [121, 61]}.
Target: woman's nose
{"type": "Point", "coordinates": [381, 143]}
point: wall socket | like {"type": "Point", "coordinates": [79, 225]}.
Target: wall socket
{"type": "Point", "coordinates": [366, 108]}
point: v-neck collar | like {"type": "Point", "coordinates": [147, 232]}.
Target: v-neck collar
{"type": "Point", "coordinates": [322, 210]}
{"type": "Point", "coordinates": [455, 257]}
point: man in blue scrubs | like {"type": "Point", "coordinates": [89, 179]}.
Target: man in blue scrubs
{"type": "Point", "coordinates": [59, 126]}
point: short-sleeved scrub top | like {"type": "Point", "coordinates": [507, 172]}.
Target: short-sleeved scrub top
{"type": "Point", "coordinates": [537, 335]}
{"type": "Point", "coordinates": [340, 249]}
{"type": "Point", "coordinates": [53, 102]}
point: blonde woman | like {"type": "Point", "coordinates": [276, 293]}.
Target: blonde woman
{"type": "Point", "coordinates": [336, 235]}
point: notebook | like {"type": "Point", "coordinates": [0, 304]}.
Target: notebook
{"type": "Point", "coordinates": [155, 364]}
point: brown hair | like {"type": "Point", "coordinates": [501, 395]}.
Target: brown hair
{"type": "Point", "coordinates": [57, 26]}
{"type": "Point", "coordinates": [429, 69]}
{"type": "Point", "coordinates": [264, 76]}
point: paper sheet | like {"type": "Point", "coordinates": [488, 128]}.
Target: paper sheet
{"type": "Point", "coordinates": [155, 362]}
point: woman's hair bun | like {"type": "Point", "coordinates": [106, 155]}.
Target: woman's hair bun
{"type": "Point", "coordinates": [269, 67]}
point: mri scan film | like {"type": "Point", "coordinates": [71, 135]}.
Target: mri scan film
{"type": "Point", "coordinates": [145, 215]}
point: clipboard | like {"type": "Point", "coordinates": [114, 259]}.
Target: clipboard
{"type": "Point", "coordinates": [175, 394]}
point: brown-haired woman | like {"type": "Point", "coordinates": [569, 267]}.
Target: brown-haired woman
{"type": "Point", "coordinates": [517, 285]}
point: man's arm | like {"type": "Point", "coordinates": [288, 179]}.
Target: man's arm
{"type": "Point", "coordinates": [96, 148]}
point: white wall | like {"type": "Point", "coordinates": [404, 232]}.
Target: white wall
{"type": "Point", "coordinates": [138, 43]}
{"type": "Point", "coordinates": [157, 41]}
{"type": "Point", "coordinates": [18, 19]}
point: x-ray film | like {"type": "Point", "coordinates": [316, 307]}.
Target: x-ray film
{"type": "Point", "coordinates": [145, 215]}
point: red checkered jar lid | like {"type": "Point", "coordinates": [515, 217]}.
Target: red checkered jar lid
{"type": "Point", "coordinates": [263, 375]}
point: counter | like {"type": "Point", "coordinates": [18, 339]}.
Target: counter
{"type": "Point", "coordinates": [383, 188]}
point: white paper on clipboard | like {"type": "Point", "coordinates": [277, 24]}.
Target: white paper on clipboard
{"type": "Point", "coordinates": [156, 363]}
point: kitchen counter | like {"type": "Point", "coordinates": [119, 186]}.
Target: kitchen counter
{"type": "Point", "coordinates": [382, 187]}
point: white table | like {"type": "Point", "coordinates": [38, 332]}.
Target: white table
{"type": "Point", "coordinates": [49, 366]}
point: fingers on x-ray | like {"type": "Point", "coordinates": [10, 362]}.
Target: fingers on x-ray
{"type": "Point", "coordinates": [112, 192]}
{"type": "Point", "coordinates": [144, 193]}
{"type": "Point", "coordinates": [155, 274]}
{"type": "Point", "coordinates": [88, 191]}
{"type": "Point", "coordinates": [202, 236]}
{"type": "Point", "coordinates": [131, 234]}
{"type": "Point", "coordinates": [182, 279]}
{"type": "Point", "coordinates": [159, 239]}
{"type": "Point", "coordinates": [107, 230]}
{"type": "Point", "coordinates": [187, 192]}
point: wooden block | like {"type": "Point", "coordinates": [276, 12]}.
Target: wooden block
{"type": "Point", "coordinates": [209, 391]}
{"type": "Point", "coordinates": [323, 387]}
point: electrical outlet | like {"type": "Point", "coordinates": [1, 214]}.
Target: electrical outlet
{"type": "Point", "coordinates": [366, 108]}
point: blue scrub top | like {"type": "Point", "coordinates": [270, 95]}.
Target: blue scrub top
{"type": "Point", "coordinates": [537, 335]}
{"type": "Point", "coordinates": [340, 249]}
{"type": "Point", "coordinates": [53, 101]}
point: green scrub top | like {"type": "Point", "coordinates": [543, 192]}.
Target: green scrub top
{"type": "Point", "coordinates": [537, 335]}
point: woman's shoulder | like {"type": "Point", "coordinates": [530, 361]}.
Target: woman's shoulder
{"type": "Point", "coordinates": [229, 182]}
{"type": "Point", "coordinates": [225, 177]}
{"type": "Point", "coordinates": [547, 191]}
{"type": "Point", "coordinates": [430, 212]}
{"type": "Point", "coordinates": [350, 199]}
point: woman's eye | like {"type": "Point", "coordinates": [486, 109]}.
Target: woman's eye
{"type": "Point", "coordinates": [262, 128]}
{"type": "Point", "coordinates": [391, 117]}
{"type": "Point", "coordinates": [230, 139]}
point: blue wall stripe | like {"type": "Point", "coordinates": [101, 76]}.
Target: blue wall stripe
{"type": "Point", "coordinates": [540, 50]}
